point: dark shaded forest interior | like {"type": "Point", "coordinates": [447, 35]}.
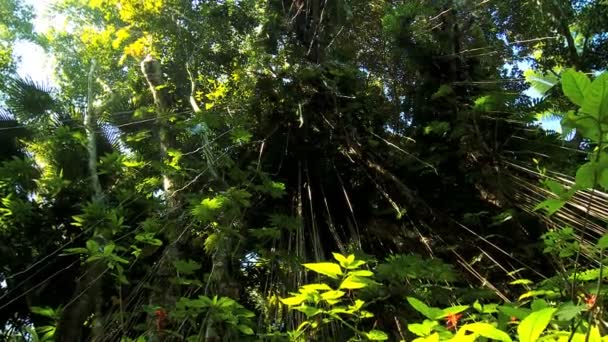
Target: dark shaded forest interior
{"type": "Point", "coordinates": [304, 170]}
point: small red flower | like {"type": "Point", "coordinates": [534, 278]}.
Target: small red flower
{"type": "Point", "coordinates": [161, 316]}
{"type": "Point", "coordinates": [590, 300]}
{"type": "Point", "coordinates": [452, 321]}
{"type": "Point", "coordinates": [513, 319]}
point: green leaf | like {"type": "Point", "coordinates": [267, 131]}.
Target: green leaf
{"type": "Point", "coordinates": [341, 259]}
{"type": "Point", "coordinates": [487, 330]}
{"type": "Point", "coordinates": [186, 267]}
{"type": "Point", "coordinates": [245, 329]}
{"type": "Point", "coordinates": [329, 269]}
{"type": "Point", "coordinates": [77, 250]}
{"type": "Point", "coordinates": [534, 293]}
{"type": "Point", "coordinates": [452, 310]}
{"type": "Point", "coordinates": [568, 311]}
{"type": "Point", "coordinates": [539, 81]}
{"type": "Point", "coordinates": [332, 295]}
{"type": "Point", "coordinates": [596, 99]}
{"type": "Point", "coordinates": [361, 273]}
{"type": "Point", "coordinates": [429, 312]}
{"type": "Point", "coordinates": [43, 311]}
{"type": "Point", "coordinates": [376, 335]}
{"type": "Point", "coordinates": [521, 282]}
{"type": "Point", "coordinates": [586, 175]}
{"type": "Point", "coordinates": [355, 264]}
{"type": "Point", "coordinates": [538, 304]}
{"type": "Point", "coordinates": [353, 282]}
{"type": "Point", "coordinates": [296, 300]}
{"type": "Point", "coordinates": [511, 311]}
{"type": "Point", "coordinates": [574, 85]}
{"type": "Point", "coordinates": [309, 311]}
{"type": "Point", "coordinates": [108, 249]}
{"type": "Point", "coordinates": [551, 205]}
{"type": "Point", "coordinates": [316, 287]}
{"type": "Point", "coordinates": [431, 338]}
{"type": "Point", "coordinates": [602, 243]}
{"type": "Point", "coordinates": [530, 329]}
{"type": "Point", "coordinates": [422, 329]}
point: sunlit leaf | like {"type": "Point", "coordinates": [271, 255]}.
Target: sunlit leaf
{"type": "Point", "coordinates": [530, 329]}
{"type": "Point", "coordinates": [329, 269]}
{"type": "Point", "coordinates": [574, 85]}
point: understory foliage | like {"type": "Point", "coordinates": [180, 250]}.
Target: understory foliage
{"type": "Point", "coordinates": [306, 170]}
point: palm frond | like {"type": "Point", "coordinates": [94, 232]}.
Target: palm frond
{"type": "Point", "coordinates": [29, 100]}
{"type": "Point", "coordinates": [10, 133]}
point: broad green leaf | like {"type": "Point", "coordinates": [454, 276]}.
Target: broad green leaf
{"type": "Point", "coordinates": [574, 85]}
{"type": "Point", "coordinates": [538, 304]}
{"type": "Point", "coordinates": [422, 329]}
{"type": "Point", "coordinates": [596, 98]}
{"type": "Point", "coordinates": [511, 311]}
{"type": "Point", "coordinates": [429, 312]}
{"type": "Point", "coordinates": [452, 310]}
{"type": "Point", "coordinates": [551, 205]}
{"type": "Point", "coordinates": [431, 338]}
{"type": "Point", "coordinates": [43, 311]}
{"type": "Point", "coordinates": [361, 273]}
{"type": "Point", "coordinates": [539, 81]}
{"type": "Point", "coordinates": [316, 287]}
{"type": "Point", "coordinates": [487, 330]}
{"type": "Point", "coordinates": [477, 306]}
{"type": "Point", "coordinates": [108, 249]}
{"type": "Point", "coordinates": [93, 246]}
{"type": "Point", "coordinates": [309, 311]}
{"type": "Point", "coordinates": [602, 243]}
{"type": "Point", "coordinates": [341, 259]}
{"type": "Point", "coordinates": [568, 311]}
{"type": "Point", "coordinates": [245, 329]}
{"type": "Point", "coordinates": [297, 300]}
{"type": "Point", "coordinates": [357, 306]}
{"type": "Point", "coordinates": [376, 335]}
{"type": "Point", "coordinates": [353, 282]}
{"type": "Point", "coordinates": [186, 267]}
{"type": "Point", "coordinates": [355, 264]}
{"type": "Point", "coordinates": [586, 175]}
{"type": "Point", "coordinates": [329, 269]}
{"type": "Point", "coordinates": [331, 295]}
{"type": "Point", "coordinates": [530, 329]}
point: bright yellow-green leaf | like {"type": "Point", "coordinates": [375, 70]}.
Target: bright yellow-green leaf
{"type": "Point", "coordinates": [452, 310]}
{"type": "Point", "coordinates": [602, 243]}
{"type": "Point", "coordinates": [596, 99]}
{"type": "Point", "coordinates": [341, 259]}
{"type": "Point", "coordinates": [530, 329]}
{"type": "Point", "coordinates": [332, 295]}
{"type": "Point", "coordinates": [361, 273]}
{"type": "Point", "coordinates": [297, 300]}
{"type": "Point", "coordinates": [536, 293]}
{"type": "Point", "coordinates": [316, 287]}
{"type": "Point", "coordinates": [329, 269]}
{"type": "Point", "coordinates": [353, 282]}
{"type": "Point", "coordinates": [376, 335]}
{"type": "Point", "coordinates": [431, 338]}
{"type": "Point", "coordinates": [574, 85]}
{"type": "Point", "coordinates": [422, 329]}
{"type": "Point", "coordinates": [521, 282]}
{"type": "Point", "coordinates": [486, 330]}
